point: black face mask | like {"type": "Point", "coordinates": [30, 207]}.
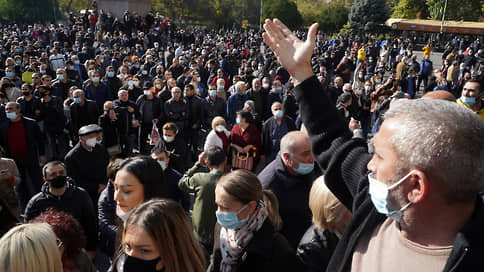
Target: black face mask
{"type": "Point", "coordinates": [58, 182]}
{"type": "Point", "coordinates": [26, 93]}
{"type": "Point", "coordinates": [134, 264]}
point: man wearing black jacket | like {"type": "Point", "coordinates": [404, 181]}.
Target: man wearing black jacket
{"type": "Point", "coordinates": [150, 109]}
{"type": "Point", "coordinates": [22, 140]}
{"type": "Point", "coordinates": [418, 198]}
{"type": "Point", "coordinates": [128, 114]}
{"type": "Point", "coordinates": [60, 193]}
{"type": "Point", "coordinates": [86, 162]}
{"type": "Point", "coordinates": [195, 117]}
{"type": "Point", "coordinates": [83, 112]}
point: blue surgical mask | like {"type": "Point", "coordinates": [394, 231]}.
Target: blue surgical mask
{"type": "Point", "coordinates": [60, 77]}
{"type": "Point", "coordinates": [237, 120]}
{"type": "Point", "coordinates": [131, 83]}
{"type": "Point", "coordinates": [11, 115]}
{"type": "Point", "coordinates": [304, 168]}
{"type": "Point", "coordinates": [198, 79]}
{"type": "Point", "coordinates": [212, 92]}
{"type": "Point", "coordinates": [379, 196]}
{"type": "Point", "coordinates": [110, 74]}
{"type": "Point", "coordinates": [9, 74]}
{"type": "Point", "coordinates": [221, 87]}
{"type": "Point", "coordinates": [279, 89]}
{"type": "Point", "coordinates": [144, 72]}
{"type": "Point", "coordinates": [229, 220]}
{"type": "Point", "coordinates": [278, 113]}
{"type": "Point", "coordinates": [468, 100]}
{"type": "Point", "coordinates": [162, 164]}
{"type": "Point", "coordinates": [77, 100]}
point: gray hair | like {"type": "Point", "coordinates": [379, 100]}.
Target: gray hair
{"type": "Point", "coordinates": [289, 141]}
{"type": "Point", "coordinates": [239, 85]}
{"type": "Point", "coordinates": [444, 140]}
{"type": "Point", "coordinates": [250, 103]}
{"type": "Point", "coordinates": [81, 92]}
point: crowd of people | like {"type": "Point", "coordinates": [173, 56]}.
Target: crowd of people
{"type": "Point", "coordinates": [170, 148]}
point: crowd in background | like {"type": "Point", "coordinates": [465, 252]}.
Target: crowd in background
{"type": "Point", "coordinates": [102, 116]}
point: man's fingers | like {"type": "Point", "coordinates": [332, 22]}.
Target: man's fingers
{"type": "Point", "coordinates": [312, 32]}
{"type": "Point", "coordinates": [274, 31]}
{"type": "Point", "coordinates": [283, 28]}
{"type": "Point", "coordinates": [268, 41]}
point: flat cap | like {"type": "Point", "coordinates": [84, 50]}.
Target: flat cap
{"type": "Point", "coordinates": [92, 128]}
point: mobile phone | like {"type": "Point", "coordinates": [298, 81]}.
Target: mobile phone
{"type": "Point", "coordinates": [3, 171]}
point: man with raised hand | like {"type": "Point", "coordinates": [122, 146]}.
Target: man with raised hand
{"type": "Point", "coordinates": [418, 208]}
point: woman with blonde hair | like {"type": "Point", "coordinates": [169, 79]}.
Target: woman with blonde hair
{"type": "Point", "coordinates": [158, 237]}
{"type": "Point", "coordinates": [330, 218]}
{"type": "Point", "coordinates": [30, 248]}
{"type": "Point", "coordinates": [246, 237]}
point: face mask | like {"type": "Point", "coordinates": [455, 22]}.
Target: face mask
{"type": "Point", "coordinates": [131, 83]}
{"type": "Point", "coordinates": [147, 92]}
{"type": "Point", "coordinates": [198, 79]}
{"type": "Point", "coordinates": [378, 80]}
{"type": "Point", "coordinates": [144, 72]}
{"type": "Point", "coordinates": [278, 113]}
{"type": "Point", "coordinates": [219, 128]}
{"type": "Point", "coordinates": [26, 93]}
{"type": "Point", "coordinates": [212, 92]}
{"type": "Point", "coordinates": [110, 74]}
{"type": "Point", "coordinates": [42, 71]}
{"type": "Point", "coordinates": [237, 120]}
{"type": "Point", "coordinates": [360, 92]}
{"type": "Point", "coordinates": [468, 100]}
{"type": "Point", "coordinates": [368, 88]}
{"type": "Point", "coordinates": [134, 264]}
{"type": "Point", "coordinates": [76, 62]}
{"type": "Point", "coordinates": [168, 139]}
{"type": "Point", "coordinates": [58, 182]}
{"type": "Point", "coordinates": [379, 196]}
{"type": "Point", "coordinates": [95, 79]}
{"type": "Point", "coordinates": [9, 74]}
{"type": "Point", "coordinates": [91, 142]}
{"type": "Point", "coordinates": [304, 168]}
{"type": "Point", "coordinates": [77, 100]}
{"type": "Point", "coordinates": [265, 86]}
{"type": "Point", "coordinates": [99, 141]}
{"type": "Point", "coordinates": [162, 164]}
{"type": "Point", "coordinates": [279, 89]}
{"type": "Point", "coordinates": [221, 87]}
{"type": "Point", "coordinates": [60, 77]}
{"type": "Point", "coordinates": [11, 115]}
{"type": "Point", "coordinates": [229, 220]}
{"type": "Point", "coordinates": [18, 62]}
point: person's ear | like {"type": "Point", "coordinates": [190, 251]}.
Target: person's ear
{"type": "Point", "coordinates": [419, 183]}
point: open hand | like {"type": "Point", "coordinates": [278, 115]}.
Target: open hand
{"type": "Point", "coordinates": [291, 52]}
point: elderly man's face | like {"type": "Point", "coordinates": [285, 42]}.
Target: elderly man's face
{"type": "Point", "coordinates": [301, 153]}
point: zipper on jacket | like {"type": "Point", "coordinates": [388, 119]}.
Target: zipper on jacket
{"type": "Point", "coordinates": [466, 250]}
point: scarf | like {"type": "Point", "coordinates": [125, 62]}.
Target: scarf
{"type": "Point", "coordinates": [233, 242]}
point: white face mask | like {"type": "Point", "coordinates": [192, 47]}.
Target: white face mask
{"type": "Point", "coordinates": [122, 215]}
{"type": "Point", "coordinates": [219, 128]}
{"type": "Point", "coordinates": [147, 92]}
{"type": "Point", "coordinates": [265, 86]}
{"type": "Point", "coordinates": [168, 139]}
{"type": "Point", "coordinates": [91, 142]}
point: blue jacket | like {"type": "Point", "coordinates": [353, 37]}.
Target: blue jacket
{"type": "Point", "coordinates": [100, 94]}
{"type": "Point", "coordinates": [234, 104]}
{"type": "Point", "coordinates": [426, 68]}
{"type": "Point", "coordinates": [293, 195]}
